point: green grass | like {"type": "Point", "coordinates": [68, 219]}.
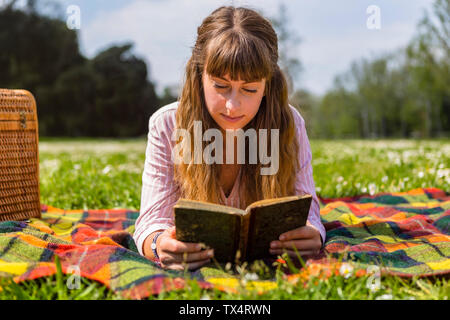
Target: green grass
{"type": "Point", "coordinates": [93, 174]}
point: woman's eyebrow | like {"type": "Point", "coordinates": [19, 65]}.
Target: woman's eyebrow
{"type": "Point", "coordinates": [229, 80]}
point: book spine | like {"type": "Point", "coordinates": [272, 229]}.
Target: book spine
{"type": "Point", "coordinates": [237, 232]}
{"type": "Point", "coordinates": [251, 233]}
{"type": "Point", "coordinates": [244, 235]}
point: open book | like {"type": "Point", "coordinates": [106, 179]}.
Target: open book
{"type": "Point", "coordinates": [230, 230]}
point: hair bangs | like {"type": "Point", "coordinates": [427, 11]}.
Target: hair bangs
{"type": "Point", "coordinates": [242, 57]}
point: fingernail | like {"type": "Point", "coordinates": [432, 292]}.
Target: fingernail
{"type": "Point", "coordinates": [273, 245]}
{"type": "Point", "coordinates": [210, 253]}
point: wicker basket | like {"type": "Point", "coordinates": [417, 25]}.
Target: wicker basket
{"type": "Point", "coordinates": [19, 156]}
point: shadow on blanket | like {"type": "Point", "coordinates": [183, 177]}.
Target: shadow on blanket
{"type": "Point", "coordinates": [405, 234]}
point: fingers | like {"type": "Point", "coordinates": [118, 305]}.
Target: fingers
{"type": "Point", "coordinates": [299, 233]}
{"type": "Point", "coordinates": [186, 260]}
{"type": "Point", "coordinates": [302, 244]}
{"type": "Point", "coordinates": [188, 266]}
{"type": "Point", "coordinates": [175, 246]}
{"type": "Point", "coordinates": [198, 256]}
{"type": "Point", "coordinates": [187, 257]}
{"type": "Point", "coordinates": [178, 255]}
{"type": "Point", "coordinates": [305, 240]}
{"type": "Point", "coordinates": [293, 253]}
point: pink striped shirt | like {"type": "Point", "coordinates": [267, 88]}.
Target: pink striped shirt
{"type": "Point", "coordinates": [160, 193]}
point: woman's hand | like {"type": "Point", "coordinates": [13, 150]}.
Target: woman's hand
{"type": "Point", "coordinates": [306, 240]}
{"type": "Point", "coordinates": [177, 255]}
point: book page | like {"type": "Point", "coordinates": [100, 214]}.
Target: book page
{"type": "Point", "coordinates": [245, 222]}
{"type": "Point", "coordinates": [218, 227]}
{"type": "Point", "coordinates": [275, 201]}
{"type": "Point", "coordinates": [269, 219]}
{"type": "Point", "coordinates": [207, 206]}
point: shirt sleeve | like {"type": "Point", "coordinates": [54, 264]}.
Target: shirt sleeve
{"type": "Point", "coordinates": [159, 192]}
{"type": "Point", "coordinates": [304, 183]}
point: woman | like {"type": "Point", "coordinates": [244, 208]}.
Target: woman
{"type": "Point", "coordinates": [232, 82]}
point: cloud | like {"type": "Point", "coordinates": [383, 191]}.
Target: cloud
{"type": "Point", "coordinates": [325, 57]}
{"type": "Point", "coordinates": [333, 34]}
{"type": "Point", "coordinates": [163, 31]}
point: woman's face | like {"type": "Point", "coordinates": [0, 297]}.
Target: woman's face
{"type": "Point", "coordinates": [232, 104]}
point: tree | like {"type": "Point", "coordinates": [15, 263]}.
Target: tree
{"type": "Point", "coordinates": [429, 64]}
{"type": "Point", "coordinates": [405, 93]}
{"type": "Point", "coordinates": [109, 95]}
{"type": "Point", "coordinates": [124, 98]}
{"type": "Point", "coordinates": [288, 42]}
{"type": "Point", "coordinates": [34, 49]}
{"type": "Point", "coordinates": [305, 103]}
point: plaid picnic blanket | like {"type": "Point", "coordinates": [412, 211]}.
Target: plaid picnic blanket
{"type": "Point", "coordinates": [405, 233]}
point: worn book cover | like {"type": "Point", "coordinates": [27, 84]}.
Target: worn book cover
{"type": "Point", "coordinates": [236, 234]}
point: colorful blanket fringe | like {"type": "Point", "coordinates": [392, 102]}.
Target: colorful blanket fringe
{"type": "Point", "coordinates": [405, 234]}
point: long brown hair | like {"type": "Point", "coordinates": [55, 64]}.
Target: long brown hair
{"type": "Point", "coordinates": [242, 43]}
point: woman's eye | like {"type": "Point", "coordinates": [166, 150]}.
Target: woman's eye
{"type": "Point", "coordinates": [219, 86]}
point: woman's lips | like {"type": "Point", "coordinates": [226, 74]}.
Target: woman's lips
{"type": "Point", "coordinates": [234, 119]}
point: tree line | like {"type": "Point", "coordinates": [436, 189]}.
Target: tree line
{"type": "Point", "coordinates": [106, 96]}
{"type": "Point", "coordinates": [401, 94]}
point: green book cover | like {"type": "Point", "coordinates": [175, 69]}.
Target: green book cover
{"type": "Point", "coordinates": [236, 234]}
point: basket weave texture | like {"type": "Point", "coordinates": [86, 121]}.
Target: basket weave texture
{"type": "Point", "coordinates": [19, 156]}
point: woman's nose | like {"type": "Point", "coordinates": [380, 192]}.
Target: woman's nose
{"type": "Point", "coordinates": [233, 101]}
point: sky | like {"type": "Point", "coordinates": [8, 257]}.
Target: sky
{"type": "Point", "coordinates": [333, 33]}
